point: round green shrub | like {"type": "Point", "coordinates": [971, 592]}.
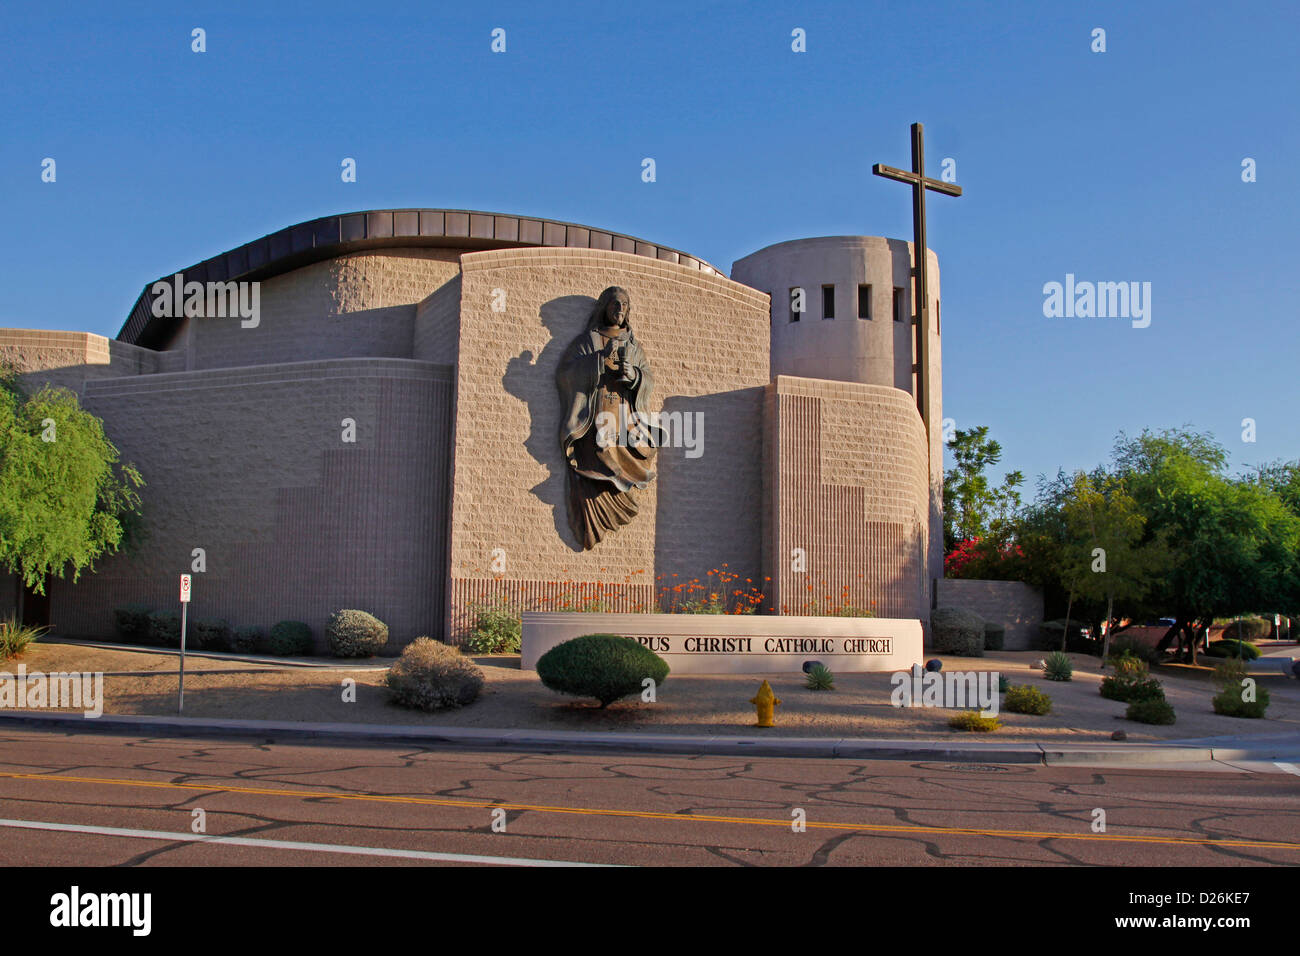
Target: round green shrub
{"type": "Point", "coordinates": [995, 635]}
{"type": "Point", "coordinates": [430, 675]}
{"type": "Point", "coordinates": [1153, 710]}
{"type": "Point", "coordinates": [165, 628]}
{"type": "Point", "coordinates": [1230, 701]}
{"type": "Point", "coordinates": [131, 623]}
{"type": "Point", "coordinates": [1226, 648]}
{"type": "Point", "coordinates": [1058, 667]}
{"type": "Point", "coordinates": [354, 633]}
{"type": "Point", "coordinates": [1131, 681]}
{"type": "Point", "coordinates": [289, 638]}
{"type": "Point", "coordinates": [957, 631]}
{"type": "Point", "coordinates": [1023, 699]}
{"type": "Point", "coordinates": [248, 639]}
{"type": "Point", "coordinates": [603, 666]}
{"type": "Point", "coordinates": [973, 721]}
{"type": "Point", "coordinates": [208, 634]}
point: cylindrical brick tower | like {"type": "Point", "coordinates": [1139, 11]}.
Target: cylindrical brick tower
{"type": "Point", "coordinates": [857, 324]}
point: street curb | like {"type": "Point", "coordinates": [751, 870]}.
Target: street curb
{"type": "Point", "coordinates": [576, 741]}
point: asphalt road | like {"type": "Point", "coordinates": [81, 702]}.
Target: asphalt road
{"type": "Point", "coordinates": [107, 800]}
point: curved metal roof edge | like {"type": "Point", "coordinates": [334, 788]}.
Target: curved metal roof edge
{"type": "Point", "coordinates": [331, 236]}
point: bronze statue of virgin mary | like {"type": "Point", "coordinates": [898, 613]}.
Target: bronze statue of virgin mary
{"type": "Point", "coordinates": [606, 432]}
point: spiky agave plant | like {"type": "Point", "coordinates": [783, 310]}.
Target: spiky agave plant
{"type": "Point", "coordinates": [1058, 667]}
{"type": "Point", "coordinates": [820, 678]}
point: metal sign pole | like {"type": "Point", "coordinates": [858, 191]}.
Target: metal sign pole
{"type": "Point", "coordinates": [184, 613]}
{"type": "Point", "coordinates": [185, 606]}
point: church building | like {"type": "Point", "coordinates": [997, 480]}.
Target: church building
{"type": "Point", "coordinates": [376, 410]}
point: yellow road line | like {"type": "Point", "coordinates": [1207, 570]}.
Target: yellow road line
{"type": "Point", "coordinates": [651, 815]}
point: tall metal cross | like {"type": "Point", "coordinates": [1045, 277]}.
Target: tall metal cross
{"type": "Point", "coordinates": [919, 183]}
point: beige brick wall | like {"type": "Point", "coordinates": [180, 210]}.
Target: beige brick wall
{"type": "Point", "coordinates": [848, 485]}
{"type": "Point", "coordinates": [356, 305]}
{"type": "Point", "coordinates": [1013, 604]}
{"type": "Point", "coordinates": [249, 464]}
{"type": "Point", "coordinates": [69, 359]}
{"type": "Point", "coordinates": [706, 340]}
{"type": "Point", "coordinates": [437, 325]}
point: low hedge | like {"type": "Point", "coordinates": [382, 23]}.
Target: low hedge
{"type": "Point", "coordinates": [248, 639]}
{"type": "Point", "coordinates": [1231, 648]}
{"type": "Point", "coordinates": [957, 631]}
{"type": "Point", "coordinates": [995, 635]}
{"type": "Point", "coordinates": [1153, 710]}
{"type": "Point", "coordinates": [165, 628]}
{"type": "Point", "coordinates": [208, 634]}
{"type": "Point", "coordinates": [131, 623]}
{"type": "Point", "coordinates": [289, 638]}
{"type": "Point", "coordinates": [354, 633]}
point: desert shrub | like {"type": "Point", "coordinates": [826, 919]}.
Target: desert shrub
{"type": "Point", "coordinates": [247, 640]}
{"type": "Point", "coordinates": [354, 633]}
{"type": "Point", "coordinates": [288, 638]}
{"type": "Point", "coordinates": [1242, 649]}
{"type": "Point", "coordinates": [1152, 710]}
{"type": "Point", "coordinates": [819, 677]}
{"type": "Point", "coordinates": [497, 629]}
{"type": "Point", "coordinates": [957, 631]}
{"type": "Point", "coordinates": [430, 675]}
{"type": "Point", "coordinates": [1230, 700]}
{"type": "Point", "coordinates": [15, 636]}
{"type": "Point", "coordinates": [603, 666]}
{"type": "Point", "coordinates": [1131, 681]}
{"type": "Point", "coordinates": [131, 623]}
{"type": "Point", "coordinates": [1249, 629]}
{"type": "Point", "coordinates": [1058, 667]}
{"type": "Point", "coordinates": [208, 634]}
{"type": "Point", "coordinates": [972, 720]}
{"type": "Point", "coordinates": [1023, 699]}
{"type": "Point", "coordinates": [165, 628]}
{"type": "Point", "coordinates": [1128, 647]}
{"type": "Point", "coordinates": [995, 636]}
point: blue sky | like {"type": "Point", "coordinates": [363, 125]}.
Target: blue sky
{"type": "Point", "coordinates": [1115, 166]}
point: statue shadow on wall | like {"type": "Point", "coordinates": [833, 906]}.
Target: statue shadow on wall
{"type": "Point", "coordinates": [710, 502]}
{"type": "Point", "coordinates": [532, 380]}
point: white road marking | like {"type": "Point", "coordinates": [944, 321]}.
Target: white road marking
{"type": "Point", "coordinates": [287, 844]}
{"type": "Point", "coordinates": [1288, 767]}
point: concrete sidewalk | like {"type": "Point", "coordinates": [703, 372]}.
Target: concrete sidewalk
{"type": "Point", "coordinates": [1279, 747]}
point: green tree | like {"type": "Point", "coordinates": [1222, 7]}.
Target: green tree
{"type": "Point", "coordinates": [65, 498]}
{"type": "Point", "coordinates": [1108, 558]}
{"type": "Point", "coordinates": [972, 508]}
{"type": "Point", "coordinates": [1234, 544]}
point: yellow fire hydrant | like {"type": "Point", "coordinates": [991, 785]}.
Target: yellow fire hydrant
{"type": "Point", "coordinates": [765, 702]}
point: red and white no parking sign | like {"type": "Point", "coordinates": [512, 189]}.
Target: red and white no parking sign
{"type": "Point", "coordinates": [185, 589]}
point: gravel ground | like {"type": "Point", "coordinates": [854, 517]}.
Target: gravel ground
{"type": "Point", "coordinates": [858, 707]}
